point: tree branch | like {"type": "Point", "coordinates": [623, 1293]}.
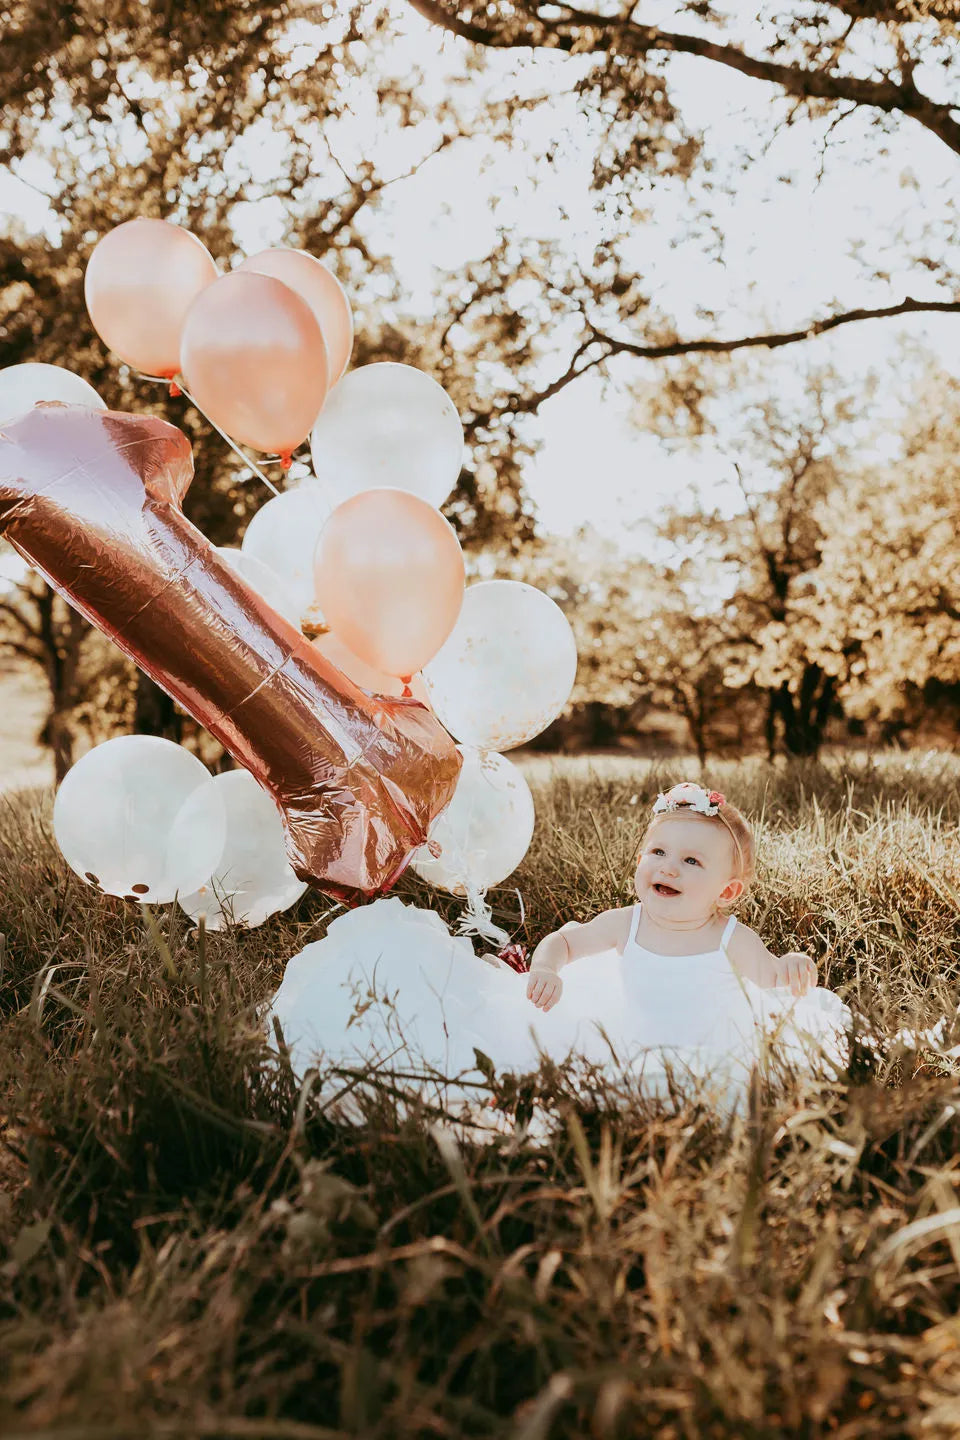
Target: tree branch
{"type": "Point", "coordinates": [770, 341]}
{"type": "Point", "coordinates": [26, 652]}
{"type": "Point", "coordinates": [585, 32]}
{"type": "Point", "coordinates": [10, 606]}
{"type": "Point", "coordinates": [773, 341]}
{"type": "Point", "coordinates": [363, 196]}
{"type": "Point", "coordinates": [572, 372]}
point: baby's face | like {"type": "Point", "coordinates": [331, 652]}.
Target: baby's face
{"type": "Point", "coordinates": [683, 868]}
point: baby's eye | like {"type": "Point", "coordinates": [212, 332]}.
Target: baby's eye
{"type": "Point", "coordinates": [657, 850]}
{"type": "Point", "coordinates": [695, 861]}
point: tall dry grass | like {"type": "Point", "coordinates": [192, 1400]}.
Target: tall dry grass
{"type": "Point", "coordinates": [194, 1249]}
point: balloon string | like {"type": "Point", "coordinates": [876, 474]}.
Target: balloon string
{"type": "Point", "coordinates": [235, 448]}
{"type": "Point", "coordinates": [477, 918]}
{"type": "Point", "coordinates": [165, 380]}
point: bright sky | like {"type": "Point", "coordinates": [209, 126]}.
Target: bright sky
{"type": "Point", "coordinates": [787, 256]}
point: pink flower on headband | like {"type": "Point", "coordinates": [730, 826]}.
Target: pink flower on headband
{"type": "Point", "coordinates": [716, 798]}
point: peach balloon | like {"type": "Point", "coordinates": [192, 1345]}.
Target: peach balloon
{"type": "Point", "coordinates": [139, 284]}
{"type": "Point", "coordinates": [389, 578]}
{"type": "Point", "coordinates": [253, 358]}
{"type": "Point", "coordinates": [374, 681]}
{"type": "Point", "coordinates": [313, 282]}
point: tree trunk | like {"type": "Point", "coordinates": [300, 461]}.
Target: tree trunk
{"type": "Point", "coordinates": [62, 645]}
{"type": "Point", "coordinates": [805, 714]}
{"type": "Point", "coordinates": [698, 731]}
{"type": "Point", "coordinates": [60, 741]}
{"type": "Point", "coordinates": [155, 712]}
{"type": "Point", "coordinates": [825, 703]}
{"type": "Point", "coordinates": [771, 725]}
{"type": "Point", "coordinates": [694, 711]}
{"type": "Point", "coordinates": [891, 732]}
{"type": "Point", "coordinates": [701, 748]}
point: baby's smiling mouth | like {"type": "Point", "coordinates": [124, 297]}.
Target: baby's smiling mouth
{"type": "Point", "coordinates": [662, 889]}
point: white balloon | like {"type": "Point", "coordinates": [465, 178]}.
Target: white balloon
{"type": "Point", "coordinates": [283, 535]}
{"type": "Point", "coordinates": [389, 425]}
{"type": "Point", "coordinates": [253, 878]}
{"type": "Point", "coordinates": [265, 581]}
{"type": "Point", "coordinates": [131, 817]}
{"type": "Point", "coordinates": [22, 386]}
{"type": "Point", "coordinates": [486, 829]}
{"type": "Point", "coordinates": [507, 668]}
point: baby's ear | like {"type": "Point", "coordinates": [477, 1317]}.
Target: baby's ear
{"type": "Point", "coordinates": [732, 891]}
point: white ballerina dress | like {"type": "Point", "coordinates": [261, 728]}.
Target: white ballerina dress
{"type": "Point", "coordinates": [389, 989]}
{"type": "Point", "coordinates": [692, 1018]}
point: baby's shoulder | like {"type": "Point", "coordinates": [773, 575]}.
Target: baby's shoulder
{"type": "Point", "coordinates": [746, 951]}
{"type": "Point", "coordinates": [743, 939]}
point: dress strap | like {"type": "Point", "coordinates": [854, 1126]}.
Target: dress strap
{"type": "Point", "coordinates": [634, 925]}
{"type": "Point", "coordinates": [727, 932]}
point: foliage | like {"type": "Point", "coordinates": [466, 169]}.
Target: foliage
{"type": "Point", "coordinates": [132, 109]}
{"type": "Point", "coordinates": [869, 68]}
{"type": "Point", "coordinates": [194, 1250]}
{"type": "Point", "coordinates": [829, 587]}
{"type": "Point", "coordinates": [883, 606]}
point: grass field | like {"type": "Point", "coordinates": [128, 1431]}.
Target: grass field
{"type": "Point", "coordinates": [192, 1249]}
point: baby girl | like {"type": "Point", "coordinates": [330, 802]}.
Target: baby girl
{"type": "Point", "coordinates": [688, 966]}
{"type": "Point", "coordinates": [673, 986]}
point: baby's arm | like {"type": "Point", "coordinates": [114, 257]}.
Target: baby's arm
{"type": "Point", "coordinates": [750, 958]}
{"type": "Point", "coordinates": [607, 931]}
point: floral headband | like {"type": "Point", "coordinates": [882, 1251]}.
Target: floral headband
{"type": "Point", "coordinates": [688, 796]}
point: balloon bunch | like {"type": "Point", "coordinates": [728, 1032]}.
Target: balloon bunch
{"type": "Point", "coordinates": [368, 564]}
{"type": "Point", "coordinates": [379, 578]}
{"type": "Point", "coordinates": [257, 349]}
{"type": "Point", "coordinates": [142, 818]}
{"type": "Point", "coordinates": [357, 560]}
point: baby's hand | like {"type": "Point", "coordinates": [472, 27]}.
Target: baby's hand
{"type": "Point", "coordinates": [544, 988]}
{"type": "Point", "coordinates": [796, 970]}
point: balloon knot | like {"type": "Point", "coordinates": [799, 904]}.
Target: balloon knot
{"type": "Point", "coordinates": [174, 390]}
{"type": "Point", "coordinates": [406, 693]}
{"type": "Point", "coordinates": [286, 460]}
{"type": "Point", "coordinates": [313, 629]}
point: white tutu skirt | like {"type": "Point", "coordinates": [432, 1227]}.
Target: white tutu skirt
{"type": "Point", "coordinates": [389, 989]}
